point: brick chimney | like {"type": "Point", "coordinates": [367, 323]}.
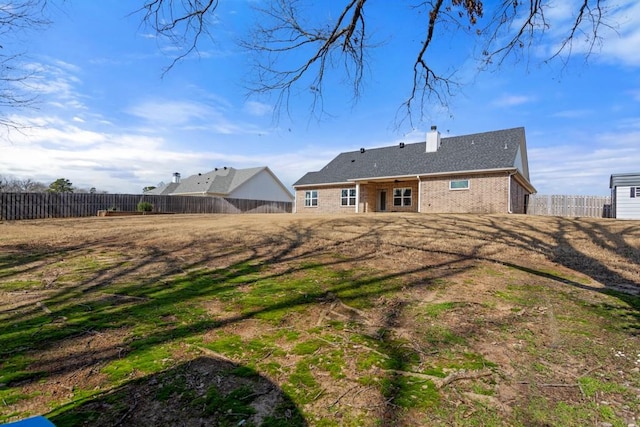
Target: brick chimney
{"type": "Point", "coordinates": [433, 140]}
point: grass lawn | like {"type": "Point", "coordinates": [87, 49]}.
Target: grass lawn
{"type": "Point", "coordinates": [293, 320]}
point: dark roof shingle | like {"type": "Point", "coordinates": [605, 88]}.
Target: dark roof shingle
{"type": "Point", "coordinates": [480, 151]}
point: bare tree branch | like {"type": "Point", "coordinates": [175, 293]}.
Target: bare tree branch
{"type": "Point", "coordinates": [281, 42]}
{"type": "Point", "coordinates": [533, 26]}
{"type": "Point", "coordinates": [181, 22]}
{"type": "Point", "coordinates": [17, 18]}
{"type": "Point", "coordinates": [293, 53]}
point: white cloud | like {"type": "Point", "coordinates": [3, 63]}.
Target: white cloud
{"type": "Point", "coordinates": [617, 39]}
{"type": "Point", "coordinates": [171, 113]}
{"type": "Point", "coordinates": [258, 108]}
{"type": "Point", "coordinates": [572, 114]}
{"type": "Point", "coordinates": [214, 117]}
{"type": "Point", "coordinates": [128, 160]}
{"type": "Point", "coordinates": [512, 100]}
{"type": "Point", "coordinates": [584, 165]}
{"type": "Point", "coordinates": [55, 79]}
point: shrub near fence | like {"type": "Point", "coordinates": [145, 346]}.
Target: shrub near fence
{"type": "Point", "coordinates": [558, 205]}
{"type": "Point", "coordinates": [17, 206]}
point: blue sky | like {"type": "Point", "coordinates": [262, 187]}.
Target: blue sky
{"type": "Point", "coordinates": [107, 117]}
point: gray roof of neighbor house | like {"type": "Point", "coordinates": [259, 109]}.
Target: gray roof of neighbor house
{"type": "Point", "coordinates": [220, 181]}
{"type": "Point", "coordinates": [163, 190]}
{"type": "Point", "coordinates": [481, 151]}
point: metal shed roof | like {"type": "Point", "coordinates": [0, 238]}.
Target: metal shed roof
{"type": "Point", "coordinates": [624, 180]}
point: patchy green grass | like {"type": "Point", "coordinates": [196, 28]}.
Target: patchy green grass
{"type": "Point", "coordinates": [410, 392]}
{"type": "Point", "coordinates": [148, 360]}
{"type": "Point", "coordinates": [436, 309]}
{"type": "Point", "coordinates": [340, 331]}
{"type": "Point", "coordinates": [14, 285]}
{"type": "Point", "coordinates": [591, 386]}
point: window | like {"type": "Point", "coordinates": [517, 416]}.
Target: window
{"type": "Point", "coordinates": [348, 197]}
{"type": "Point", "coordinates": [460, 184]}
{"type": "Point", "coordinates": [311, 198]}
{"type": "Point", "coordinates": [401, 197]}
{"type": "Point", "coordinates": [635, 192]}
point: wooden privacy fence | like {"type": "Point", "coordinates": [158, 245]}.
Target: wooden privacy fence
{"type": "Point", "coordinates": [558, 205]}
{"type": "Point", "coordinates": [16, 206]}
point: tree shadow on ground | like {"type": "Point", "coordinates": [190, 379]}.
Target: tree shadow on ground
{"type": "Point", "coordinates": [144, 287]}
{"type": "Point", "coordinates": [203, 391]}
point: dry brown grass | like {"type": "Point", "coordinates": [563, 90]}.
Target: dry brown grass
{"type": "Point", "coordinates": [508, 290]}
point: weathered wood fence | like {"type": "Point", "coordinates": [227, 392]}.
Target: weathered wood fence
{"type": "Point", "coordinates": [559, 205]}
{"type": "Point", "coordinates": [17, 206]}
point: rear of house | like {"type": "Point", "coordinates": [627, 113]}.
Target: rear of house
{"type": "Point", "coordinates": [479, 173]}
{"type": "Point", "coordinates": [625, 195]}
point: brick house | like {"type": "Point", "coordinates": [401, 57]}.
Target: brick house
{"type": "Point", "coordinates": [479, 173]}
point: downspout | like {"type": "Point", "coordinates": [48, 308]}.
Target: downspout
{"type": "Point", "coordinates": [357, 196]}
{"type": "Point", "coordinates": [295, 198]}
{"type": "Point", "coordinates": [509, 175]}
{"type": "Point", "coordinates": [419, 193]}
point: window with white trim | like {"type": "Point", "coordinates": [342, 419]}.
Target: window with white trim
{"type": "Point", "coordinates": [635, 192]}
{"type": "Point", "coordinates": [402, 196]}
{"type": "Point", "coordinates": [348, 197]}
{"type": "Point", "coordinates": [311, 198]}
{"type": "Point", "coordinates": [459, 184]}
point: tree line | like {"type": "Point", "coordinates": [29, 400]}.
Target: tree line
{"type": "Point", "coordinates": [60, 185]}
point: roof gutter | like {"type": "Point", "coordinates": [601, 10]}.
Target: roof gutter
{"type": "Point", "coordinates": [426, 175]}
{"type": "Point", "coordinates": [467, 172]}
{"type": "Point", "coordinates": [382, 178]}
{"type": "Point", "coordinates": [518, 176]}
{"type": "Point", "coordinates": [325, 184]}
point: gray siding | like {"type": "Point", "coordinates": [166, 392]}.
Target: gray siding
{"type": "Point", "coordinates": [262, 186]}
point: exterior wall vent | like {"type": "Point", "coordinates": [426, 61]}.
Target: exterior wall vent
{"type": "Point", "coordinates": [402, 145]}
{"type": "Point", "coordinates": [362, 150]}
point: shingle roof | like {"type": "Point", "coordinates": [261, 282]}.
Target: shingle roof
{"type": "Point", "coordinates": [220, 181]}
{"type": "Point", "coordinates": [163, 190]}
{"type": "Point", "coordinates": [480, 151]}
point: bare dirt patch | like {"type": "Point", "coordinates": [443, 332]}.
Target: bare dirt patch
{"type": "Point", "coordinates": [324, 320]}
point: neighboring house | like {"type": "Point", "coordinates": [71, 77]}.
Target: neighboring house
{"type": "Point", "coordinates": [252, 183]}
{"type": "Point", "coordinates": [625, 195]}
{"type": "Point", "coordinates": [480, 173]}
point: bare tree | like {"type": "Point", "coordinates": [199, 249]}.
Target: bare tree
{"type": "Point", "coordinates": [17, 18]}
{"type": "Point", "coordinates": [293, 51]}
{"type": "Point", "coordinates": [14, 185]}
{"type": "Point", "coordinates": [31, 186]}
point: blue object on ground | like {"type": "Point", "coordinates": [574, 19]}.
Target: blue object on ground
{"type": "Point", "coordinates": [31, 422]}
